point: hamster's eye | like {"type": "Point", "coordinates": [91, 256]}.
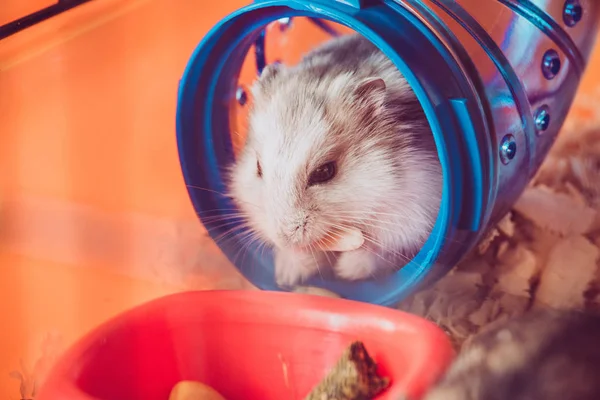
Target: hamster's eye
{"type": "Point", "coordinates": [323, 174]}
{"type": "Point", "coordinates": [258, 169]}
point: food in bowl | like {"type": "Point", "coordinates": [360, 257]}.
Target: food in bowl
{"type": "Point", "coordinates": [354, 377]}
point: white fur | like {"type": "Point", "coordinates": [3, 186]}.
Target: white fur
{"type": "Point", "coordinates": [390, 188]}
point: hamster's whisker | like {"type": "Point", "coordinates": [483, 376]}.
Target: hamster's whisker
{"type": "Point", "coordinates": [222, 236]}
{"type": "Point", "coordinates": [220, 194]}
{"type": "Point", "coordinates": [247, 232]}
{"type": "Point", "coordinates": [311, 249]}
{"type": "Point", "coordinates": [216, 224]}
{"type": "Point", "coordinates": [374, 213]}
{"type": "Point", "coordinates": [329, 235]}
{"type": "Point", "coordinates": [327, 255]}
{"type": "Point", "coordinates": [402, 256]}
{"type": "Point", "coordinates": [218, 211]}
{"type": "Point", "coordinates": [393, 253]}
{"type": "Point", "coordinates": [366, 214]}
{"type": "Point", "coordinates": [262, 246]}
{"type": "Point", "coordinates": [326, 252]}
{"type": "Point", "coordinates": [207, 190]}
{"type": "Point", "coordinates": [232, 230]}
{"type": "Point", "coordinates": [377, 255]}
{"type": "Point", "coordinates": [242, 249]}
{"type": "Point", "coordinates": [226, 236]}
{"type": "Point", "coordinates": [363, 221]}
{"type": "Point", "coordinates": [236, 133]}
{"type": "Point", "coordinates": [250, 238]}
{"type": "Point", "coordinates": [378, 244]}
{"type": "Point", "coordinates": [218, 218]}
{"type": "Point", "coordinates": [233, 214]}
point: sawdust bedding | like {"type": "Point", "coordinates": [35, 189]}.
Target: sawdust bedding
{"type": "Point", "coordinates": [543, 253]}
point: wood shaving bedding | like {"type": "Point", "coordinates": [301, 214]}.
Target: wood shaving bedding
{"type": "Point", "coordinates": [544, 253]}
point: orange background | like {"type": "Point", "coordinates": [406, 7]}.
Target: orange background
{"type": "Point", "coordinates": [12, 10]}
{"type": "Point", "coordinates": [94, 215]}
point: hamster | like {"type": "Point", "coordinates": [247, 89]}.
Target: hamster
{"type": "Point", "coordinates": [337, 141]}
{"type": "Point", "coordinates": [542, 355]}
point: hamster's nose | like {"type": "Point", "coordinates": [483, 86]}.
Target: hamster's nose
{"type": "Point", "coordinates": [293, 231]}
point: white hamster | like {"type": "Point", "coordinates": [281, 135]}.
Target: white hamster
{"type": "Point", "coordinates": [337, 141]}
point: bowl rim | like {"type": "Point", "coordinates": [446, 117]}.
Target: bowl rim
{"type": "Point", "coordinates": [62, 379]}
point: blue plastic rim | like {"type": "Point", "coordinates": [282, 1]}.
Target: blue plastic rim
{"type": "Point", "coordinates": [443, 84]}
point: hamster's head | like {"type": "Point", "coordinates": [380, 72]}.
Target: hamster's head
{"type": "Point", "coordinates": [330, 152]}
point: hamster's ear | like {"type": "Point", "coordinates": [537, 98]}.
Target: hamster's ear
{"type": "Point", "coordinates": [268, 75]}
{"type": "Point", "coordinates": [370, 93]}
{"type": "Point", "coordinates": [270, 71]}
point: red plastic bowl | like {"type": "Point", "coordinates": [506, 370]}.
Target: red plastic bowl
{"type": "Point", "coordinates": [243, 344]}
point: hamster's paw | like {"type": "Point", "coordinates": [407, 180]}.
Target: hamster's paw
{"type": "Point", "coordinates": [292, 268]}
{"type": "Point", "coordinates": [356, 265]}
{"type": "Point", "coordinates": [288, 276]}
